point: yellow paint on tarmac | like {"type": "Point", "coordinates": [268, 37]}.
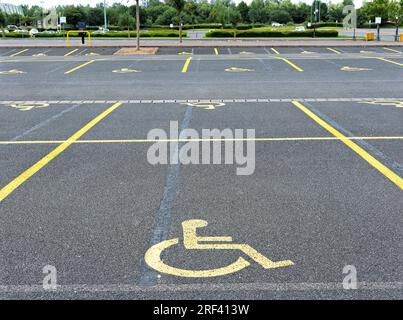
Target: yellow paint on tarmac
{"type": "Point", "coordinates": [353, 146]}
{"type": "Point", "coordinates": [12, 71]}
{"type": "Point", "coordinates": [390, 61]}
{"type": "Point", "coordinates": [80, 66]}
{"type": "Point", "coordinates": [201, 140]}
{"type": "Point", "coordinates": [334, 50]}
{"type": "Point", "coordinates": [275, 51]}
{"type": "Point", "coordinates": [192, 241]}
{"type": "Point", "coordinates": [19, 52]}
{"type": "Point", "coordinates": [186, 65]}
{"type": "Point", "coordinates": [9, 188]}
{"type": "Point", "coordinates": [347, 68]}
{"type": "Point", "coordinates": [71, 52]}
{"type": "Point", "coordinates": [392, 50]}
{"type": "Point", "coordinates": [236, 69]}
{"type": "Point", "coordinates": [292, 64]}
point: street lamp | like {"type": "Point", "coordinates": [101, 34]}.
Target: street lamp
{"type": "Point", "coordinates": [106, 25]}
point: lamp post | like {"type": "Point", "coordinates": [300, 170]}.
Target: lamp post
{"type": "Point", "coordinates": [137, 25]}
{"type": "Point", "coordinates": [105, 22]}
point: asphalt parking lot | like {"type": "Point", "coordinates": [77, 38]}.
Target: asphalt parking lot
{"type": "Point", "coordinates": [79, 193]}
{"type": "Point", "coordinates": [95, 51]}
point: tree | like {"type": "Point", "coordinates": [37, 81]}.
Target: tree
{"type": "Point", "coordinates": [73, 15]}
{"type": "Point", "coordinates": [2, 23]}
{"type": "Point", "coordinates": [167, 17]}
{"type": "Point", "coordinates": [234, 17]}
{"type": "Point", "coordinates": [258, 12]}
{"type": "Point", "coordinates": [395, 13]}
{"type": "Point", "coordinates": [376, 8]}
{"type": "Point", "coordinates": [243, 11]}
{"type": "Point", "coordinates": [280, 16]}
{"type": "Point", "coordinates": [125, 21]}
{"type": "Point", "coordinates": [178, 5]}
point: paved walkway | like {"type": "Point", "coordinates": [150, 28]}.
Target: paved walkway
{"type": "Point", "coordinates": [199, 42]}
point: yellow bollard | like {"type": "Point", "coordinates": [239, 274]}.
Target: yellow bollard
{"type": "Point", "coordinates": [370, 36]}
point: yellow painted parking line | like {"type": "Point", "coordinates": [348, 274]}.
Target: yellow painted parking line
{"type": "Point", "coordinates": [202, 140]}
{"type": "Point", "coordinates": [292, 64]}
{"type": "Point", "coordinates": [19, 52]}
{"type": "Point", "coordinates": [71, 52]}
{"type": "Point", "coordinates": [353, 146]}
{"type": "Point", "coordinates": [393, 50]}
{"type": "Point", "coordinates": [186, 65]}
{"type": "Point", "coordinates": [80, 66]}
{"type": "Point", "coordinates": [9, 188]}
{"type": "Point", "coordinates": [216, 51]}
{"type": "Point", "coordinates": [275, 51]}
{"type": "Point", "coordinates": [334, 50]}
{"type": "Point", "coordinates": [390, 61]}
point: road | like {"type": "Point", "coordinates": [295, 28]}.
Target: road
{"type": "Point", "coordinates": [78, 191]}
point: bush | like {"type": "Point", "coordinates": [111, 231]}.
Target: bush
{"type": "Point", "coordinates": [123, 34]}
{"type": "Point", "coordinates": [256, 33]}
{"type": "Point", "coordinates": [325, 24]}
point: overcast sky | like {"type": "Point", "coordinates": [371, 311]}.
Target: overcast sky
{"type": "Point", "coordinates": [50, 3]}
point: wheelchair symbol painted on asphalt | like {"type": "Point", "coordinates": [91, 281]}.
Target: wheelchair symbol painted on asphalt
{"type": "Point", "coordinates": [126, 70]}
{"type": "Point", "coordinates": [28, 106]}
{"type": "Point", "coordinates": [193, 242]}
{"type": "Point", "coordinates": [235, 69]}
{"type": "Point", "coordinates": [207, 105]}
{"type": "Point", "coordinates": [346, 68]}
{"type": "Point", "coordinates": [13, 71]}
{"type": "Point", "coordinates": [394, 103]}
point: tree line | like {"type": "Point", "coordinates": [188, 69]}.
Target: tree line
{"type": "Point", "coordinates": [224, 12]}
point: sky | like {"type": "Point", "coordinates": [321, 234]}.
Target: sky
{"type": "Point", "coordinates": [50, 3]}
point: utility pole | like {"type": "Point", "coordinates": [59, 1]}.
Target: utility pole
{"type": "Point", "coordinates": [106, 24]}
{"type": "Point", "coordinates": [138, 25]}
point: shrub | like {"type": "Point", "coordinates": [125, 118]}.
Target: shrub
{"type": "Point", "coordinates": [256, 33]}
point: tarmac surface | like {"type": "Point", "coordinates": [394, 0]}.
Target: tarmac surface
{"type": "Point", "coordinates": [78, 191]}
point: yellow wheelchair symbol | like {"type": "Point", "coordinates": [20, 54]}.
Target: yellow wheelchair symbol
{"type": "Point", "coordinates": [207, 105]}
{"type": "Point", "coordinates": [29, 106]}
{"type": "Point", "coordinates": [193, 242]}
{"type": "Point", "coordinates": [392, 103]}
{"type": "Point", "coordinates": [13, 71]}
{"type": "Point", "coordinates": [347, 68]}
{"type": "Point", "coordinates": [236, 69]}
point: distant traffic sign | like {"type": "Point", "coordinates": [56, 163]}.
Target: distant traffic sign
{"type": "Point", "coordinates": [82, 25]}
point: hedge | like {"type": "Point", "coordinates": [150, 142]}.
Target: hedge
{"type": "Point", "coordinates": [143, 34]}
{"type": "Point", "coordinates": [325, 24]}
{"type": "Point", "coordinates": [227, 33]}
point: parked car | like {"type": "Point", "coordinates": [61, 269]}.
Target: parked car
{"type": "Point", "coordinates": [101, 29]}
{"type": "Point", "coordinates": [33, 31]}
{"type": "Point", "coordinates": [300, 28]}
{"type": "Point", "coordinates": [20, 31]}
{"type": "Point", "coordinates": [276, 24]}
{"type": "Point", "coordinates": [49, 32]}
{"type": "Point", "coordinates": [12, 26]}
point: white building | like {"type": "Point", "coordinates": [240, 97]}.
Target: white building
{"type": "Point", "coordinates": [10, 8]}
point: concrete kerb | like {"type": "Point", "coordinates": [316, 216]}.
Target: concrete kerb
{"type": "Point", "coordinates": [252, 42]}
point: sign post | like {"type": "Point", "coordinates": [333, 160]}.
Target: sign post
{"type": "Point", "coordinates": [378, 21]}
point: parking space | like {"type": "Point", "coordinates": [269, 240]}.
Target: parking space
{"type": "Point", "coordinates": [79, 191]}
{"type": "Point", "coordinates": [364, 50]}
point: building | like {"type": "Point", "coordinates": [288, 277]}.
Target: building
{"type": "Point", "coordinates": [10, 8]}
